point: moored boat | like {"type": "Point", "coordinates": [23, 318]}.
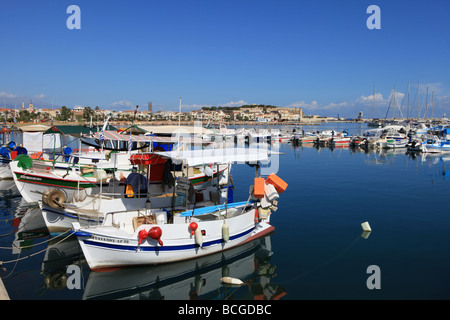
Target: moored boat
{"type": "Point", "coordinates": [196, 232]}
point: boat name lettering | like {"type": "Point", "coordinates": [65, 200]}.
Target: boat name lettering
{"type": "Point", "coordinates": [110, 239]}
{"type": "Point", "coordinates": [31, 178]}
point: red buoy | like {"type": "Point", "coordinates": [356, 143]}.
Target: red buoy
{"type": "Point", "coordinates": [142, 235]}
{"type": "Point", "coordinates": [193, 226]}
{"type": "Point", "coordinates": [155, 233]}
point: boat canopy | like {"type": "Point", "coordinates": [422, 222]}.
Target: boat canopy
{"type": "Point", "coordinates": [218, 156]}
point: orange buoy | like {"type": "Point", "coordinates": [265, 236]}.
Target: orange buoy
{"type": "Point", "coordinates": [258, 189]}
{"type": "Point", "coordinates": [277, 182]}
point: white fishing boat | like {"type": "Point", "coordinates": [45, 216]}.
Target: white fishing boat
{"type": "Point", "coordinates": [340, 142]}
{"type": "Point", "coordinates": [278, 136]}
{"type": "Point", "coordinates": [392, 137]}
{"type": "Point", "coordinates": [84, 171]}
{"type": "Point", "coordinates": [222, 133]}
{"type": "Point", "coordinates": [339, 139]}
{"type": "Point", "coordinates": [396, 140]}
{"type": "Point", "coordinates": [309, 139]}
{"type": "Point", "coordinates": [436, 146]}
{"type": "Point", "coordinates": [438, 141]}
{"type": "Point", "coordinates": [190, 279]}
{"type": "Point", "coordinates": [261, 135]}
{"type": "Point", "coordinates": [88, 171]}
{"type": "Point", "coordinates": [195, 232]}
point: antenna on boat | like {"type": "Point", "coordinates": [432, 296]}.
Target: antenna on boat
{"type": "Point", "coordinates": [179, 123]}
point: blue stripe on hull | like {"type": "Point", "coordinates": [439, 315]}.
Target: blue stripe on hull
{"type": "Point", "coordinates": [162, 248]}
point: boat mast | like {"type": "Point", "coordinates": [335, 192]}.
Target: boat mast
{"type": "Point", "coordinates": [179, 122]}
{"type": "Point", "coordinates": [407, 116]}
{"type": "Point", "coordinates": [418, 104]}
{"type": "Point", "coordinates": [373, 104]}
{"type": "Point", "coordinates": [426, 105]}
{"type": "Point", "coordinates": [432, 103]}
{"type": "Point", "coordinates": [393, 108]}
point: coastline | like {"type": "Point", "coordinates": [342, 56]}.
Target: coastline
{"type": "Point", "coordinates": [187, 123]}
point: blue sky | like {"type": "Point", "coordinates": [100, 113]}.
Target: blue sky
{"type": "Point", "coordinates": [315, 54]}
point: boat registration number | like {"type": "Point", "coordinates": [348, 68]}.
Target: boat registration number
{"type": "Point", "coordinates": [104, 239]}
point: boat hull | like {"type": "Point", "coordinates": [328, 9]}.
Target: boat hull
{"type": "Point", "coordinates": [396, 143]}
{"type": "Point", "coordinates": [104, 247]}
{"type": "Point", "coordinates": [436, 148]}
{"type": "Point", "coordinates": [32, 186]}
{"type": "Point", "coordinates": [60, 221]}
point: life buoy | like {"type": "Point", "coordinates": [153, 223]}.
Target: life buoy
{"type": "Point", "coordinates": [54, 198]}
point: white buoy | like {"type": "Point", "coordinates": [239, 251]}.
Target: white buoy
{"type": "Point", "coordinates": [198, 237]}
{"type": "Point", "coordinates": [230, 280]}
{"type": "Point", "coordinates": [225, 231]}
{"type": "Point", "coordinates": [366, 226]}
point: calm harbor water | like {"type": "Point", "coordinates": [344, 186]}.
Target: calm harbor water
{"type": "Point", "coordinates": [316, 251]}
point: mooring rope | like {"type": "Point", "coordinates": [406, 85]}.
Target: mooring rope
{"type": "Point", "coordinates": [37, 244]}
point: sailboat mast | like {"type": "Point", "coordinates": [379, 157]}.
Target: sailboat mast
{"type": "Point", "coordinates": [432, 103]}
{"type": "Point", "coordinates": [393, 108]}
{"type": "Point", "coordinates": [418, 103]}
{"type": "Point", "coordinates": [179, 122]}
{"type": "Point", "coordinates": [373, 103]}
{"type": "Point", "coordinates": [408, 103]}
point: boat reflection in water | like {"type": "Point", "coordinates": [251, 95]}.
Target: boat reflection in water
{"type": "Point", "coordinates": [193, 279]}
